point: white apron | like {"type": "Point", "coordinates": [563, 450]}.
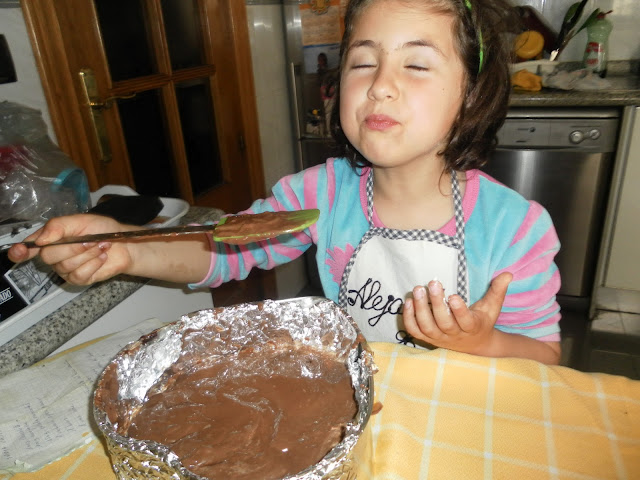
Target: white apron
{"type": "Point", "coordinates": [389, 263]}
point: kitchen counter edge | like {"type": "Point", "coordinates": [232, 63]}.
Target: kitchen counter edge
{"type": "Point", "coordinates": [572, 99]}
{"type": "Point", "coordinates": [623, 77]}
{"type": "Point", "coordinates": [57, 328]}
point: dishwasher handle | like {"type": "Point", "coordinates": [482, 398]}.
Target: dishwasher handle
{"type": "Point", "coordinates": [554, 148]}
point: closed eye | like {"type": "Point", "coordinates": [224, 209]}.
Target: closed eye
{"type": "Point", "coordinates": [363, 65]}
{"type": "Point", "coordinates": [419, 68]}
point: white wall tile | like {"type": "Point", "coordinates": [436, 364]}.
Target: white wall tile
{"type": "Point", "coordinates": [274, 116]}
{"type": "Point", "coordinates": [624, 42]}
{"type": "Point", "coordinates": [269, 73]}
{"type": "Point", "coordinates": [537, 4]}
{"type": "Point", "coordinates": [28, 89]}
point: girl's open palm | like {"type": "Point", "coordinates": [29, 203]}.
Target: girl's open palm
{"type": "Point", "coordinates": [451, 324]}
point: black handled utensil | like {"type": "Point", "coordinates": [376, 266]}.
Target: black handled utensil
{"type": "Point", "coordinates": [568, 28]}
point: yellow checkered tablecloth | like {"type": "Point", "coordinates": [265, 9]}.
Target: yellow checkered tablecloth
{"type": "Point", "coordinates": [448, 415]}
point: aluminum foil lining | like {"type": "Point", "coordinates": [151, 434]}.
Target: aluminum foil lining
{"type": "Point", "coordinates": [207, 336]}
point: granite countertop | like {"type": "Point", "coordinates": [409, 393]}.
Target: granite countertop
{"type": "Point", "coordinates": [624, 77]}
{"type": "Point", "coordinates": [57, 328]}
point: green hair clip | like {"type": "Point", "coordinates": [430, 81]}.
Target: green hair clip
{"type": "Point", "coordinates": [481, 53]}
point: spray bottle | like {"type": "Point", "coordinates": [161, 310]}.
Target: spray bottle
{"type": "Point", "coordinates": [595, 54]}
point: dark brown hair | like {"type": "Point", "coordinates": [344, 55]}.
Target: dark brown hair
{"type": "Point", "coordinates": [484, 25]}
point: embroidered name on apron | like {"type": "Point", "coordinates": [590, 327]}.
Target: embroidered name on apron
{"type": "Point", "coordinates": [389, 263]}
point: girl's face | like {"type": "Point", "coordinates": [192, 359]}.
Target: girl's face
{"type": "Point", "coordinates": [402, 84]}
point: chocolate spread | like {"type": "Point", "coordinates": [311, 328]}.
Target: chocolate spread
{"type": "Point", "coordinates": [225, 421]}
{"type": "Point", "coordinates": [246, 228]}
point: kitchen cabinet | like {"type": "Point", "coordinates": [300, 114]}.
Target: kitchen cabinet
{"type": "Point", "coordinates": [621, 267]}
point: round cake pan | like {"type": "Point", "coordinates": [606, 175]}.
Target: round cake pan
{"type": "Point", "coordinates": [214, 334]}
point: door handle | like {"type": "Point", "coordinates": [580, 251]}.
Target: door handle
{"type": "Point", "coordinates": [108, 102]}
{"type": "Point", "coordinates": [96, 105]}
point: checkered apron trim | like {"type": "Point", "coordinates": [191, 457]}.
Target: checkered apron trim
{"type": "Point", "coordinates": [456, 242]}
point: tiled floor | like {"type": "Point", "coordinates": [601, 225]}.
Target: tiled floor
{"type": "Point", "coordinates": [613, 341]}
{"type": "Point", "coordinates": [617, 300]}
{"type": "Point", "coordinates": [613, 344]}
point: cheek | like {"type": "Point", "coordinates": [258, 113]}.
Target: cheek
{"type": "Point", "coordinates": [346, 94]}
{"type": "Point", "coordinates": [454, 105]}
{"type": "Point", "coordinates": [445, 104]}
{"type": "Point", "coordinates": [347, 108]}
{"type": "Point", "coordinates": [347, 123]}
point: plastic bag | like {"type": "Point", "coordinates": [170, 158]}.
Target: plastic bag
{"type": "Point", "coordinates": [582, 79]}
{"type": "Point", "coordinates": [37, 180]}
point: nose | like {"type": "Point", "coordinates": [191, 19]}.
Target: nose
{"type": "Point", "coordinates": [384, 84]}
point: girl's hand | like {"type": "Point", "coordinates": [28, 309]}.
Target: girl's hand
{"type": "Point", "coordinates": [451, 324]}
{"type": "Point", "coordinates": [80, 264]}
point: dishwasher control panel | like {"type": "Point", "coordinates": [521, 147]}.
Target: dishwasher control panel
{"type": "Point", "coordinates": [599, 134]}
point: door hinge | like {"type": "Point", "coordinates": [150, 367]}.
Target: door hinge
{"type": "Point", "coordinates": [241, 143]}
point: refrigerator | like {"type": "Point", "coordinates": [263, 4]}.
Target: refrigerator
{"type": "Point", "coordinates": [312, 30]}
{"type": "Point", "coordinates": [295, 49]}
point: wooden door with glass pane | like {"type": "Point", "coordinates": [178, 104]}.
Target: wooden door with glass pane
{"type": "Point", "coordinates": [147, 93]}
{"type": "Point", "coordinates": [173, 101]}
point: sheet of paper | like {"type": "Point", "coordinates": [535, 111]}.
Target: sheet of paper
{"type": "Point", "coordinates": [321, 22]}
{"type": "Point", "coordinates": [46, 410]}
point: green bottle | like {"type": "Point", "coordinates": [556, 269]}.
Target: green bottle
{"type": "Point", "coordinates": [595, 53]}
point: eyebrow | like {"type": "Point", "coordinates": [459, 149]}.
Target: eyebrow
{"type": "Point", "coordinates": [412, 43]}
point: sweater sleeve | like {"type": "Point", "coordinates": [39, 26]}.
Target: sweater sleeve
{"type": "Point", "coordinates": [530, 307]}
{"type": "Point", "coordinates": [234, 262]}
{"type": "Point", "coordinates": [507, 233]}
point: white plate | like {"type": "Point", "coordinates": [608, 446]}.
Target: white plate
{"type": "Point", "coordinates": [173, 209]}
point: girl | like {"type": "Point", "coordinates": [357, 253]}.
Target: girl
{"type": "Point", "coordinates": [422, 91]}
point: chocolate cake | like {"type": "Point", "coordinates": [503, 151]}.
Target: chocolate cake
{"type": "Point", "coordinates": [225, 422]}
{"type": "Point", "coordinates": [262, 390]}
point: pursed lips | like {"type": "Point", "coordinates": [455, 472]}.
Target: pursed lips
{"type": "Point", "coordinates": [379, 122]}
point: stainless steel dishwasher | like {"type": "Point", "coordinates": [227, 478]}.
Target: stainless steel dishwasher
{"type": "Point", "coordinates": [563, 159]}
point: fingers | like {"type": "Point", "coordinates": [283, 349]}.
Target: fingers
{"type": "Point", "coordinates": [491, 303]}
{"type": "Point", "coordinates": [87, 273]}
{"type": "Point", "coordinates": [75, 253]}
{"type": "Point", "coordinates": [487, 308]}
{"type": "Point", "coordinates": [440, 308]}
{"type": "Point", "coordinates": [425, 326]}
{"type": "Point", "coordinates": [52, 230]}
{"type": "Point", "coordinates": [78, 264]}
{"type": "Point", "coordinates": [452, 324]}
{"type": "Point", "coordinates": [409, 319]}
{"type": "Point", "coordinates": [498, 289]}
{"type": "Point", "coordinates": [466, 320]}
{"type": "Point", "coordinates": [73, 225]}
{"type": "Point", "coordinates": [427, 315]}
{"type": "Point", "coordinates": [20, 253]}
{"type": "Point", "coordinates": [66, 262]}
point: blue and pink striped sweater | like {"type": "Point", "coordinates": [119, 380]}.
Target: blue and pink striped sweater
{"type": "Point", "coordinates": [503, 232]}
